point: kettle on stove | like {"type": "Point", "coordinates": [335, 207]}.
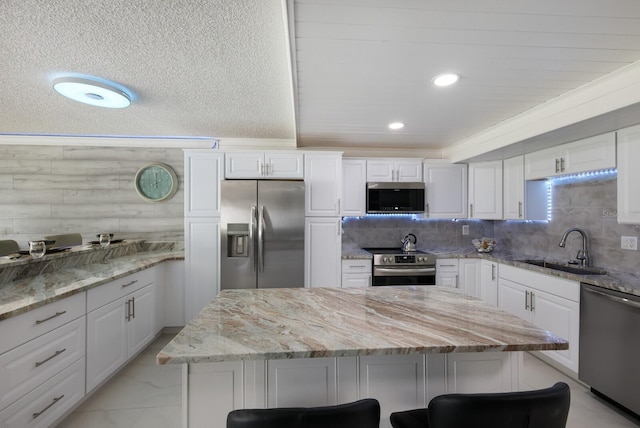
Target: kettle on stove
{"type": "Point", "coordinates": [407, 244]}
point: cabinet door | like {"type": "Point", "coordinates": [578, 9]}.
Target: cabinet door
{"type": "Point", "coordinates": [446, 190]}
{"type": "Point", "coordinates": [201, 263]}
{"type": "Point", "coordinates": [106, 341]}
{"type": "Point", "coordinates": [590, 154]}
{"type": "Point", "coordinates": [141, 325]}
{"type": "Point", "coordinates": [323, 184]}
{"type": "Point", "coordinates": [323, 252]}
{"type": "Point", "coordinates": [475, 372]}
{"type": "Point", "coordinates": [304, 382]}
{"type": "Point", "coordinates": [203, 172]}
{"type": "Point", "coordinates": [485, 190]}
{"type": "Point", "coordinates": [489, 282]}
{"type": "Point", "coordinates": [409, 170]}
{"type": "Point", "coordinates": [380, 170]}
{"type": "Point", "coordinates": [397, 381]}
{"type": "Point", "coordinates": [284, 165]}
{"type": "Point", "coordinates": [514, 188]}
{"type": "Point", "coordinates": [244, 165]}
{"type": "Point", "coordinates": [447, 272]}
{"type": "Point", "coordinates": [628, 175]}
{"type": "Point", "coordinates": [214, 389]}
{"type": "Point", "coordinates": [542, 164]}
{"type": "Point", "coordinates": [469, 271]}
{"type": "Point", "coordinates": [514, 298]}
{"type": "Point", "coordinates": [354, 187]}
{"type": "Point", "coordinates": [562, 318]}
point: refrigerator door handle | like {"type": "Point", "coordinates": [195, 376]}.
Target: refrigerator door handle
{"type": "Point", "coordinates": [252, 235]}
{"type": "Point", "coordinates": [261, 240]}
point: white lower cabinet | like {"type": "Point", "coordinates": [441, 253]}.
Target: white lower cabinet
{"type": "Point", "coordinates": [398, 382]}
{"type": "Point", "coordinates": [322, 252]}
{"type": "Point", "coordinates": [201, 263]}
{"type": "Point", "coordinates": [118, 329]}
{"type": "Point", "coordinates": [489, 282]}
{"type": "Point", "coordinates": [47, 403]}
{"type": "Point", "coordinates": [42, 363]}
{"type": "Point", "coordinates": [469, 274]}
{"type": "Point", "coordinates": [548, 302]}
{"type": "Point", "coordinates": [356, 273]}
{"type": "Point", "coordinates": [447, 272]}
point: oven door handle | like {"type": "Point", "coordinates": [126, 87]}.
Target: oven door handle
{"type": "Point", "coordinates": [403, 271]}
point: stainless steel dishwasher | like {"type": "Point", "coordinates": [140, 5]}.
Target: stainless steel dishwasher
{"type": "Point", "coordinates": [609, 345]}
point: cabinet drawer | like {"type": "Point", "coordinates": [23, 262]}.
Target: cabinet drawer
{"type": "Point", "coordinates": [447, 265]}
{"type": "Point", "coordinates": [101, 295]}
{"type": "Point", "coordinates": [24, 327]}
{"type": "Point", "coordinates": [43, 406]}
{"type": "Point", "coordinates": [354, 280]}
{"type": "Point", "coordinates": [27, 366]}
{"type": "Point", "coordinates": [356, 266]}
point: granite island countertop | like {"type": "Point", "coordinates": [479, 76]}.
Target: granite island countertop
{"type": "Point", "coordinates": [334, 322]}
{"type": "Point", "coordinates": [20, 295]}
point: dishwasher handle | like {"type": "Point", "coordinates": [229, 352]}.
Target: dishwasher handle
{"type": "Point", "coordinates": [616, 299]}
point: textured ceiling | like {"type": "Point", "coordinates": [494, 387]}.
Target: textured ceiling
{"type": "Point", "coordinates": [197, 67]}
{"type": "Point", "coordinates": [221, 68]}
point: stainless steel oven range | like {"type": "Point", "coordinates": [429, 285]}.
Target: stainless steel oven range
{"type": "Point", "coordinates": [392, 266]}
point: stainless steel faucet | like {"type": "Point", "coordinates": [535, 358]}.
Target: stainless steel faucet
{"type": "Point", "coordinates": [583, 255]}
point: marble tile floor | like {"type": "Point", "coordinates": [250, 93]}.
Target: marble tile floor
{"type": "Point", "coordinates": [145, 395]}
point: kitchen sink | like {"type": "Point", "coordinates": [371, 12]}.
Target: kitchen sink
{"type": "Point", "coordinates": [569, 268]}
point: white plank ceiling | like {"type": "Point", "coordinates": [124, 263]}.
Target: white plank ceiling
{"type": "Point", "coordinates": [362, 64]}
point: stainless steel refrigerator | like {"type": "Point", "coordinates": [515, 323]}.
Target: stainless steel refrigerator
{"type": "Point", "coordinates": [262, 234]}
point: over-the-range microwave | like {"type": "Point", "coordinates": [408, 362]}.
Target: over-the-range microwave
{"type": "Point", "coordinates": [395, 198]}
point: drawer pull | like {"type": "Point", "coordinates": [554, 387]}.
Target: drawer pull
{"type": "Point", "coordinates": [39, 363]}
{"type": "Point", "coordinates": [57, 314]}
{"type": "Point", "coordinates": [55, 400]}
{"type": "Point", "coordinates": [129, 283]}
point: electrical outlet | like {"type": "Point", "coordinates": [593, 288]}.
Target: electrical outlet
{"type": "Point", "coordinates": [629, 243]}
{"type": "Point", "coordinates": [465, 229]}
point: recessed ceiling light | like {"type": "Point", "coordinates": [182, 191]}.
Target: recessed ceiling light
{"type": "Point", "coordinates": [92, 92]}
{"type": "Point", "coordinates": [396, 125]}
{"type": "Point", "coordinates": [445, 79]}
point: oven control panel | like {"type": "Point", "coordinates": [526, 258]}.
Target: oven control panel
{"type": "Point", "coordinates": [404, 259]}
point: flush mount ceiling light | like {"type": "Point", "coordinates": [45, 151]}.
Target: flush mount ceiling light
{"type": "Point", "coordinates": [396, 125]}
{"type": "Point", "coordinates": [445, 79]}
{"type": "Point", "coordinates": [92, 92]}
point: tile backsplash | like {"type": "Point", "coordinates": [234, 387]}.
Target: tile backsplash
{"type": "Point", "coordinates": [46, 190]}
{"type": "Point", "coordinates": [588, 204]}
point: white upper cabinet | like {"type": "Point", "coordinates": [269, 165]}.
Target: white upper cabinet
{"type": "Point", "coordinates": [323, 184]}
{"type": "Point", "coordinates": [446, 190]}
{"type": "Point", "coordinates": [485, 190]}
{"type": "Point", "coordinates": [202, 175]}
{"type": "Point", "coordinates": [387, 170]}
{"type": "Point", "coordinates": [589, 154]}
{"type": "Point", "coordinates": [628, 175]}
{"type": "Point", "coordinates": [275, 165]}
{"type": "Point", "coordinates": [513, 170]}
{"type": "Point", "coordinates": [354, 183]}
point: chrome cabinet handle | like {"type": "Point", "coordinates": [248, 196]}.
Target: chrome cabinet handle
{"type": "Point", "coordinates": [55, 400]}
{"type": "Point", "coordinates": [129, 283]}
{"type": "Point", "coordinates": [557, 165]}
{"type": "Point", "coordinates": [561, 164]}
{"type": "Point", "coordinates": [531, 298]}
{"type": "Point", "coordinates": [526, 300]}
{"type": "Point", "coordinates": [471, 210]}
{"type": "Point", "coordinates": [127, 317]}
{"type": "Point", "coordinates": [493, 272]}
{"type": "Point", "coordinates": [519, 209]}
{"type": "Point", "coordinates": [133, 305]}
{"type": "Point", "coordinates": [39, 363]}
{"type": "Point", "coordinates": [57, 314]}
{"type": "Point", "coordinates": [427, 209]}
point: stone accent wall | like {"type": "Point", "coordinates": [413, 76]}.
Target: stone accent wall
{"type": "Point", "coordinates": [46, 190]}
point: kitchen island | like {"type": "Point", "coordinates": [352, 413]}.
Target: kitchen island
{"type": "Point", "coordinates": [322, 346]}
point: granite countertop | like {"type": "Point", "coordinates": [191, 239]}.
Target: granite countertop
{"type": "Point", "coordinates": [334, 322]}
{"type": "Point", "coordinates": [619, 281]}
{"type": "Point", "coordinates": [23, 294]}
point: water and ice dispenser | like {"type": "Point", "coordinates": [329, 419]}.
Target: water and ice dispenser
{"type": "Point", "coordinates": [238, 240]}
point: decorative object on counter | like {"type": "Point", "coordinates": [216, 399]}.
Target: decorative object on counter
{"type": "Point", "coordinates": [484, 245]}
{"type": "Point", "coordinates": [156, 182]}
{"type": "Point", "coordinates": [407, 245]}
{"type": "Point", "coordinates": [37, 249]}
{"type": "Point", "coordinates": [105, 239]}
